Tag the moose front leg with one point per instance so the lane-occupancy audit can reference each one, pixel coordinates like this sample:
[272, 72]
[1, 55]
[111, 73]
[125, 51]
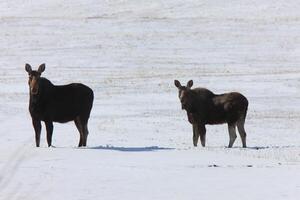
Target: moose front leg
[202, 133]
[195, 134]
[199, 130]
[37, 128]
[49, 129]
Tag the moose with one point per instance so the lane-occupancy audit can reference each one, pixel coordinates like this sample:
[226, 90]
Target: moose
[204, 107]
[50, 103]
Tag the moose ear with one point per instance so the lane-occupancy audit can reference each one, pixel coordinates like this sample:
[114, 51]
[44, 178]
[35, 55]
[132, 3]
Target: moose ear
[28, 68]
[42, 68]
[190, 84]
[177, 83]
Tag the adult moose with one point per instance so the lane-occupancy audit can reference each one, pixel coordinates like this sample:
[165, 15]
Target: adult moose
[204, 107]
[64, 103]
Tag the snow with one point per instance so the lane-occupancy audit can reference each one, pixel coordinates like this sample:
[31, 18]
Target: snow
[140, 143]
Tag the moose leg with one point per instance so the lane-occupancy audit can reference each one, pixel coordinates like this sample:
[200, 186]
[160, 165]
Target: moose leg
[49, 129]
[232, 134]
[85, 134]
[202, 133]
[37, 128]
[195, 134]
[84, 130]
[80, 129]
[241, 128]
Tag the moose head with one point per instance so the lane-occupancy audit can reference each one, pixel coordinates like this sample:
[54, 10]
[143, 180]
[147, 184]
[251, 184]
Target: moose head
[184, 94]
[34, 78]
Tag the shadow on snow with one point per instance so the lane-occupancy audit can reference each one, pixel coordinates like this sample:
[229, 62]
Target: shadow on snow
[132, 149]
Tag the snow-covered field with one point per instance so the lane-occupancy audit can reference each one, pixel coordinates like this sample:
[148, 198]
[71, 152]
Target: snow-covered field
[140, 143]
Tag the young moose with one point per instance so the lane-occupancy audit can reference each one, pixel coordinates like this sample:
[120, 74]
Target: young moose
[204, 107]
[50, 103]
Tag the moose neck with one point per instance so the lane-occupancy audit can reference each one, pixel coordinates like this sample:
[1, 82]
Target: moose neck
[191, 108]
[200, 102]
[45, 87]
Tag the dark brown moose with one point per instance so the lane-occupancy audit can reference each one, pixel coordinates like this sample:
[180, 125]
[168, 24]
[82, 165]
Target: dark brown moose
[204, 107]
[64, 103]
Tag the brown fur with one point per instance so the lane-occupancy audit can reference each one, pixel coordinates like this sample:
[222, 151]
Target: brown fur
[204, 107]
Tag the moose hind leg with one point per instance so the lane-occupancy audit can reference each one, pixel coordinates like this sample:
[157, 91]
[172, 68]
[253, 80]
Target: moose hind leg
[80, 129]
[232, 134]
[85, 131]
[242, 132]
[85, 134]
[49, 130]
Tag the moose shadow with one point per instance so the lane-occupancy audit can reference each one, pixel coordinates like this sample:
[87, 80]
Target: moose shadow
[132, 149]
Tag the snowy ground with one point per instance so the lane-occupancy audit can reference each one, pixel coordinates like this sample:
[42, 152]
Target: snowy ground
[140, 143]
